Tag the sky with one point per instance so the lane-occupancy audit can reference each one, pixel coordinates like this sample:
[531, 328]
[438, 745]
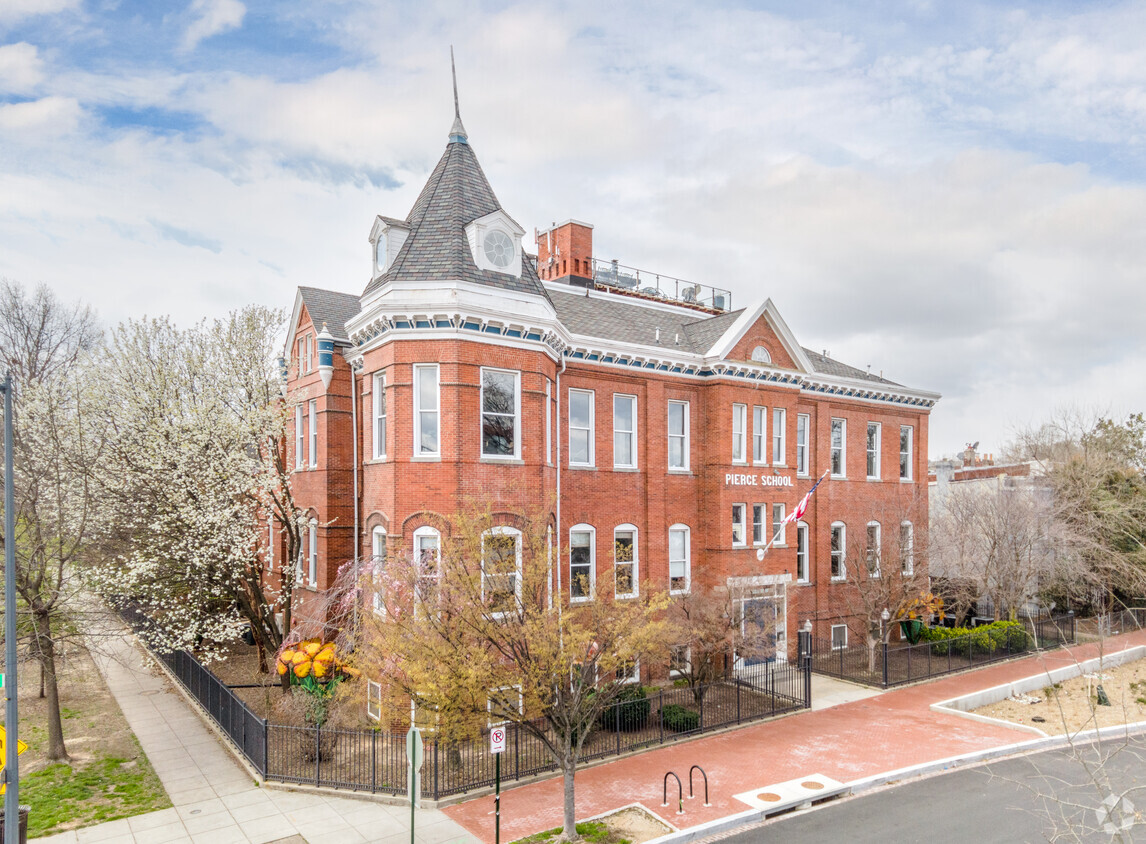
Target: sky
[951, 193]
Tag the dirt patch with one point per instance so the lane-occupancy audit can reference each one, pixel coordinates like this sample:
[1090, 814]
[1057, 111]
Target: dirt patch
[636, 824]
[1072, 705]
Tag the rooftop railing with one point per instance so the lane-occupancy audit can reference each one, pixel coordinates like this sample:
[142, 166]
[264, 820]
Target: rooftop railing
[645, 284]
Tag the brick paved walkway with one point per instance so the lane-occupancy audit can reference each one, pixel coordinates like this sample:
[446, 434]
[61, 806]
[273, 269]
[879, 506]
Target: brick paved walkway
[851, 741]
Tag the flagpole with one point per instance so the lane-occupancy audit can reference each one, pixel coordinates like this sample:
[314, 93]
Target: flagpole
[795, 514]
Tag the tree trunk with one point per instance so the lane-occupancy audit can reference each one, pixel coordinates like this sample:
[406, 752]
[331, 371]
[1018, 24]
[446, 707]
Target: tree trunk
[47, 649]
[41, 681]
[569, 825]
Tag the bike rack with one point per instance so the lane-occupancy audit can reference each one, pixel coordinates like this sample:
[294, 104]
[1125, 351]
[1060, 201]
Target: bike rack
[703, 774]
[679, 792]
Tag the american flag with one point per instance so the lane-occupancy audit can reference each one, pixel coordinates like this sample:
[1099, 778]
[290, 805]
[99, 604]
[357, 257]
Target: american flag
[799, 510]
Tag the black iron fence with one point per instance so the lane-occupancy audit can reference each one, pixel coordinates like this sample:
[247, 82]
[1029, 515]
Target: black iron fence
[886, 665]
[374, 760]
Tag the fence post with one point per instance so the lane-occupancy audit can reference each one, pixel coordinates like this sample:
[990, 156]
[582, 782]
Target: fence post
[617, 719]
[266, 750]
[435, 769]
[737, 704]
[373, 761]
[804, 645]
[1071, 614]
[661, 707]
[317, 754]
[517, 750]
[883, 647]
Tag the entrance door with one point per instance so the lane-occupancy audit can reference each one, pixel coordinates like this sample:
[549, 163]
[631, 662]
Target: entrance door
[763, 628]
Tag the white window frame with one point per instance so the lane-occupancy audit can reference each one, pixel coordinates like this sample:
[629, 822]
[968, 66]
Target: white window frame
[759, 434]
[378, 553]
[310, 352]
[299, 438]
[842, 448]
[435, 412]
[270, 541]
[592, 531]
[312, 553]
[686, 662]
[373, 700]
[759, 512]
[489, 704]
[426, 532]
[626, 528]
[633, 676]
[909, 454]
[873, 553]
[779, 436]
[588, 432]
[501, 530]
[803, 558]
[378, 431]
[516, 455]
[842, 551]
[907, 548]
[302, 355]
[843, 645]
[803, 425]
[548, 422]
[631, 434]
[683, 437]
[687, 561]
[312, 412]
[874, 450]
[739, 433]
[742, 524]
[779, 528]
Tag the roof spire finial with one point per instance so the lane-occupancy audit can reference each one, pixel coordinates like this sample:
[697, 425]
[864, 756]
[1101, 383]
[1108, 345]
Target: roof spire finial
[457, 131]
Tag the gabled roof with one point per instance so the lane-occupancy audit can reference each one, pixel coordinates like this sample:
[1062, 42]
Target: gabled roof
[326, 306]
[456, 194]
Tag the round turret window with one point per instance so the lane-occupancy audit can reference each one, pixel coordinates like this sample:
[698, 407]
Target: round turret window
[498, 249]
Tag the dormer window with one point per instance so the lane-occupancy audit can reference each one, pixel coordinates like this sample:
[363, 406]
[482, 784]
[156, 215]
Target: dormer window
[498, 248]
[387, 237]
[380, 253]
[495, 243]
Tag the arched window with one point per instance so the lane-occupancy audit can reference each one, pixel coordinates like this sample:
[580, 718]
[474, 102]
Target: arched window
[680, 557]
[427, 555]
[582, 562]
[839, 554]
[501, 569]
[378, 546]
[872, 549]
[761, 355]
[625, 564]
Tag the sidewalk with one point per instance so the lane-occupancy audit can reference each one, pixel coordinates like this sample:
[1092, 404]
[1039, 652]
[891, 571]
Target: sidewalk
[215, 799]
[848, 742]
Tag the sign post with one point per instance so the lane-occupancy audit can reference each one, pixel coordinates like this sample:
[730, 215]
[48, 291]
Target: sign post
[497, 747]
[414, 753]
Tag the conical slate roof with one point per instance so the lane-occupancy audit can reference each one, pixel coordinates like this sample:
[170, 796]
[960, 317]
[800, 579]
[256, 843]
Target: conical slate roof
[456, 194]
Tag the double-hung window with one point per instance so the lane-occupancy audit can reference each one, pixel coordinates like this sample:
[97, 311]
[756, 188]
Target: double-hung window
[581, 562]
[907, 548]
[312, 412]
[678, 435]
[803, 421]
[625, 561]
[270, 541]
[839, 447]
[738, 524]
[427, 558]
[759, 434]
[758, 537]
[906, 435]
[839, 562]
[873, 442]
[312, 553]
[378, 543]
[500, 413]
[739, 423]
[309, 352]
[779, 429]
[802, 572]
[501, 569]
[581, 427]
[301, 355]
[379, 427]
[548, 423]
[839, 637]
[679, 572]
[299, 438]
[426, 415]
[779, 529]
[624, 432]
[873, 549]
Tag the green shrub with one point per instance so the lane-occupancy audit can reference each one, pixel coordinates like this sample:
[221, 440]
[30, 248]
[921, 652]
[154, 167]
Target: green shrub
[979, 641]
[631, 706]
[679, 719]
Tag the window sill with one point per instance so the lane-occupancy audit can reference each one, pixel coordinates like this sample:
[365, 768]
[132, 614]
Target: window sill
[874, 478]
[839, 579]
[580, 600]
[839, 477]
[739, 545]
[629, 469]
[803, 583]
[426, 458]
[506, 461]
[779, 544]
[685, 472]
[906, 480]
[583, 467]
[627, 597]
[678, 592]
[783, 465]
[374, 460]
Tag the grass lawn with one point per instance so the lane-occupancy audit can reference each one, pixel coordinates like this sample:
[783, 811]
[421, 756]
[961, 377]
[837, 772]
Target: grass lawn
[108, 776]
[595, 832]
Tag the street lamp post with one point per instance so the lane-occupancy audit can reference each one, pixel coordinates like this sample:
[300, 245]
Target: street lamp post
[11, 687]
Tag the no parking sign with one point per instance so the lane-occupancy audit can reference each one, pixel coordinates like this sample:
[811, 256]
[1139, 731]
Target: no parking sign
[497, 740]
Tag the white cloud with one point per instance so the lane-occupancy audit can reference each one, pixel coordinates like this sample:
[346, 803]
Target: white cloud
[47, 116]
[21, 69]
[14, 10]
[212, 17]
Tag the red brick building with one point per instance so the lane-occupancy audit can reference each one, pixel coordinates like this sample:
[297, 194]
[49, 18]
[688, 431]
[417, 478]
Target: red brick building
[650, 411]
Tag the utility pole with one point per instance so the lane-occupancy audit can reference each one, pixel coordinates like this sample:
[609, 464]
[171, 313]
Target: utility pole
[11, 686]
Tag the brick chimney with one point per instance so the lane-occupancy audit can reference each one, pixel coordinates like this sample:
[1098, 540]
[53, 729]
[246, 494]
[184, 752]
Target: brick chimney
[565, 251]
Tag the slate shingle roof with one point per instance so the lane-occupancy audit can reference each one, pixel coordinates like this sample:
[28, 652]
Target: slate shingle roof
[335, 309]
[456, 194]
[828, 366]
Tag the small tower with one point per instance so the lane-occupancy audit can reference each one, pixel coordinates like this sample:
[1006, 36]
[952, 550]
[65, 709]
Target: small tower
[325, 356]
[566, 250]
